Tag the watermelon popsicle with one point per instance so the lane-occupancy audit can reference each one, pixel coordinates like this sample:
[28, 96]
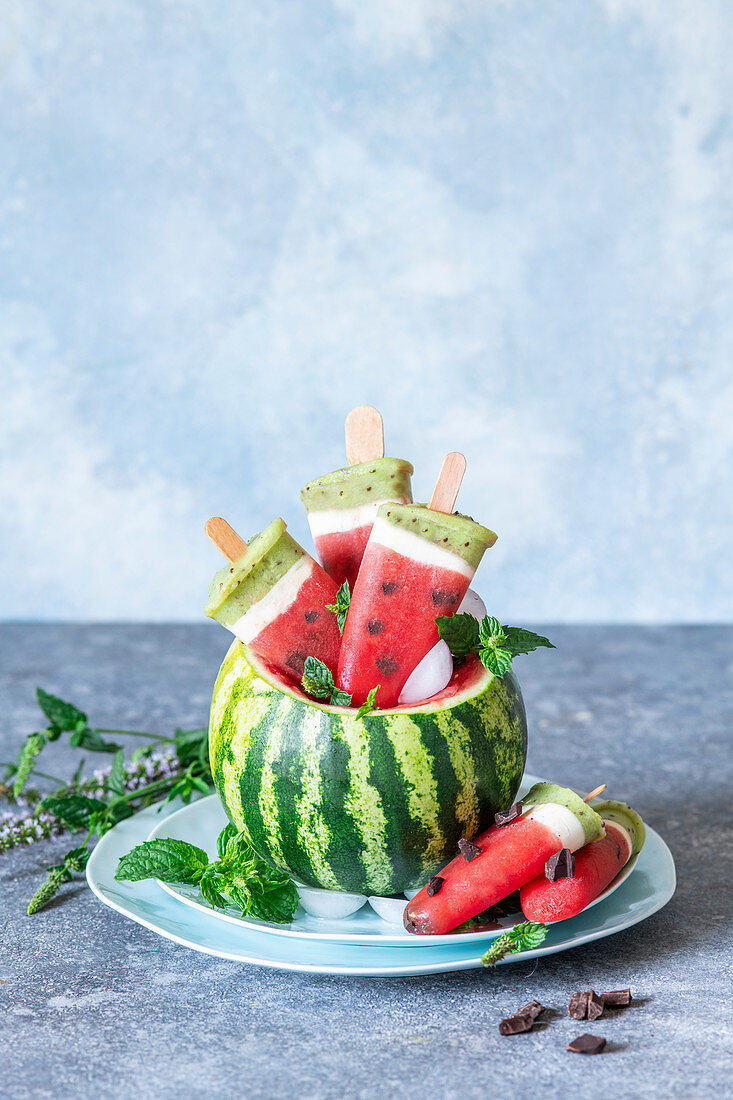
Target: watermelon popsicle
[596, 866]
[418, 564]
[552, 817]
[273, 597]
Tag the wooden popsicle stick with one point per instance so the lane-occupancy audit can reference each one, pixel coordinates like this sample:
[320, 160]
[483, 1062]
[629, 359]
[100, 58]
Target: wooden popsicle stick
[364, 435]
[598, 790]
[448, 483]
[225, 538]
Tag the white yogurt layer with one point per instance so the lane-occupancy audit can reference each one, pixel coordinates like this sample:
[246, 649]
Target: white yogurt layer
[416, 548]
[280, 597]
[563, 823]
[332, 521]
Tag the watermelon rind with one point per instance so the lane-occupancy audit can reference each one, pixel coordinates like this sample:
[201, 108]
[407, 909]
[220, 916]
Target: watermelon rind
[371, 805]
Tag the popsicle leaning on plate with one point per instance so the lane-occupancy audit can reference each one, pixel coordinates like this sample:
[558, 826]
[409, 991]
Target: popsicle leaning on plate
[503, 858]
[342, 505]
[596, 866]
[272, 595]
[417, 565]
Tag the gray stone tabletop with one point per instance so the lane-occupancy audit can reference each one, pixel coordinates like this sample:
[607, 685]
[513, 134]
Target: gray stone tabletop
[93, 1005]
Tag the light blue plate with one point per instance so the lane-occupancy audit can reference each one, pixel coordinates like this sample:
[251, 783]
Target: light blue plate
[647, 889]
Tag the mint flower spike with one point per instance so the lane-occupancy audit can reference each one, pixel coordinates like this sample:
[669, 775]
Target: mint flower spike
[522, 937]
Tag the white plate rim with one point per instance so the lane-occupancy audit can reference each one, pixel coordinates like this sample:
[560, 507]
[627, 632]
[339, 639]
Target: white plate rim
[132, 907]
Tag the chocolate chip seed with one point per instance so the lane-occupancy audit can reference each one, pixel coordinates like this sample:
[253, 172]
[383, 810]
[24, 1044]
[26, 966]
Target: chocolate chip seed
[560, 865]
[505, 817]
[312, 616]
[434, 885]
[375, 626]
[468, 849]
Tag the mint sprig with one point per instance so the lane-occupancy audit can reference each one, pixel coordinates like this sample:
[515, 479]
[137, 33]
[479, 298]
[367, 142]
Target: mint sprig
[496, 645]
[341, 607]
[318, 681]
[522, 937]
[238, 877]
[369, 704]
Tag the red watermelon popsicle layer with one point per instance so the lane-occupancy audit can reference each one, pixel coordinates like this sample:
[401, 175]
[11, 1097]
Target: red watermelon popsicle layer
[510, 855]
[342, 507]
[274, 598]
[596, 866]
[417, 565]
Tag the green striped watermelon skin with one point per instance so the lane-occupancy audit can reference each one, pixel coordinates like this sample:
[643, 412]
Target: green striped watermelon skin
[373, 805]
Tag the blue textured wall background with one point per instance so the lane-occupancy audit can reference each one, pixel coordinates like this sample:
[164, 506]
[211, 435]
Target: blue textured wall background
[508, 225]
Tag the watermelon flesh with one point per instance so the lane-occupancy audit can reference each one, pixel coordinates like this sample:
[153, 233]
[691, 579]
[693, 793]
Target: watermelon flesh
[510, 856]
[302, 628]
[391, 621]
[341, 552]
[596, 866]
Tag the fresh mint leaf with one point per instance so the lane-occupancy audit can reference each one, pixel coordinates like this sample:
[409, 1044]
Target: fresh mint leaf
[369, 704]
[460, 632]
[64, 717]
[341, 607]
[497, 661]
[75, 810]
[190, 745]
[524, 641]
[88, 738]
[165, 858]
[211, 886]
[492, 650]
[522, 937]
[318, 681]
[116, 777]
[229, 832]
[277, 905]
[340, 698]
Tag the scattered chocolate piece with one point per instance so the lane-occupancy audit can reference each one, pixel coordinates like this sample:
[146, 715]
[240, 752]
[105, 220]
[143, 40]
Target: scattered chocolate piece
[595, 1005]
[521, 1020]
[560, 865]
[468, 849]
[516, 1024]
[578, 1007]
[532, 1008]
[434, 885]
[504, 817]
[587, 1044]
[617, 997]
[585, 1005]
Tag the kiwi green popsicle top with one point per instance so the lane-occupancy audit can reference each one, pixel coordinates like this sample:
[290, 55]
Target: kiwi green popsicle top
[457, 533]
[590, 820]
[241, 583]
[624, 815]
[381, 479]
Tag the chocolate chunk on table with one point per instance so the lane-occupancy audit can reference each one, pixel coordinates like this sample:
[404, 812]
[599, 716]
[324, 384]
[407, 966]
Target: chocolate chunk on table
[578, 1007]
[617, 998]
[521, 1020]
[586, 1044]
[585, 1005]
